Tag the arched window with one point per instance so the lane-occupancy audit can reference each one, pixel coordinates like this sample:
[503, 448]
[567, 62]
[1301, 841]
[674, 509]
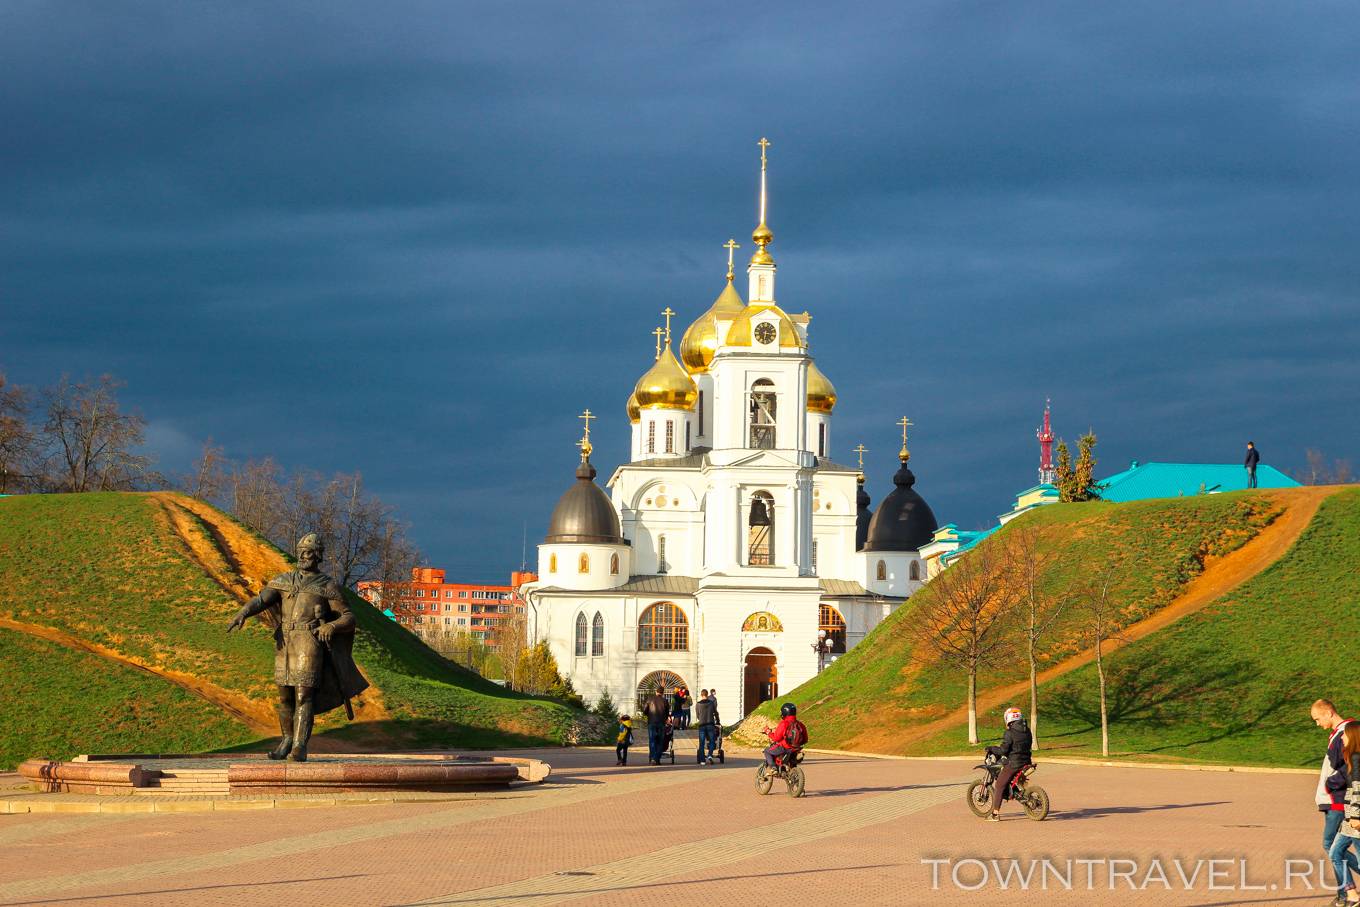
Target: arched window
[552, 563]
[661, 565]
[663, 628]
[916, 570]
[882, 574]
[583, 563]
[613, 565]
[597, 635]
[763, 411]
[580, 635]
[830, 620]
[658, 682]
[760, 530]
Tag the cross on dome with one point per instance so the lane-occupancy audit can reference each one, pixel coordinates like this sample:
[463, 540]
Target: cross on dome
[904, 455]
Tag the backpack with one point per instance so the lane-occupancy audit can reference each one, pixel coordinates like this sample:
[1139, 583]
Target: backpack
[796, 736]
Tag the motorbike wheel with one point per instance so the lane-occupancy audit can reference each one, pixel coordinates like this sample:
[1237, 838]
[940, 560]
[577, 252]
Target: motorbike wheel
[796, 781]
[1036, 803]
[764, 779]
[980, 798]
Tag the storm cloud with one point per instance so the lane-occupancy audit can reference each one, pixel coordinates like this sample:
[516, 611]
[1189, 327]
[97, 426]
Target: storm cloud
[416, 239]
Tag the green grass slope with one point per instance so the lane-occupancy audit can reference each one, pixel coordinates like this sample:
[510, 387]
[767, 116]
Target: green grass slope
[109, 570]
[1232, 682]
[874, 696]
[61, 701]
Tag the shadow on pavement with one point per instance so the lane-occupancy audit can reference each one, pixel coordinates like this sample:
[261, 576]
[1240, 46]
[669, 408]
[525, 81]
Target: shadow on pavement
[471, 896]
[140, 894]
[845, 792]
[1097, 812]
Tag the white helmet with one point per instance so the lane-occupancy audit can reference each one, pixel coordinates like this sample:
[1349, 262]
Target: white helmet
[1013, 714]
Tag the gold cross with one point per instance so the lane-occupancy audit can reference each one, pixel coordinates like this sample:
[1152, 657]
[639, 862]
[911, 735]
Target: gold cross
[587, 416]
[860, 450]
[731, 246]
[667, 313]
[906, 423]
[763, 143]
[657, 334]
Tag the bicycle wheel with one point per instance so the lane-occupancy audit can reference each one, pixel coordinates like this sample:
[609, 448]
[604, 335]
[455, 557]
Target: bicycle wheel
[796, 781]
[980, 798]
[764, 779]
[1035, 800]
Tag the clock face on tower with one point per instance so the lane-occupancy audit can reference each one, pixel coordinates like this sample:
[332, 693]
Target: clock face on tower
[765, 332]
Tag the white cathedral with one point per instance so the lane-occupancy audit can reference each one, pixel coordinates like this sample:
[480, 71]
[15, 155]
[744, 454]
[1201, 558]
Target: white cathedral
[731, 538]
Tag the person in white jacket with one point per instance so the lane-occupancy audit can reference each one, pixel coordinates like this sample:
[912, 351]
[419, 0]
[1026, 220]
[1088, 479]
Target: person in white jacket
[1333, 779]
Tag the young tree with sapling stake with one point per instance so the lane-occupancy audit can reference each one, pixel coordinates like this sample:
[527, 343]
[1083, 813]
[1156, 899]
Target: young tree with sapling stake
[966, 611]
[1031, 561]
[1101, 627]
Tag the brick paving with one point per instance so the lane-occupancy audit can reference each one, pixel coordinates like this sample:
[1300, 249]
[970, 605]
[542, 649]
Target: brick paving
[599, 834]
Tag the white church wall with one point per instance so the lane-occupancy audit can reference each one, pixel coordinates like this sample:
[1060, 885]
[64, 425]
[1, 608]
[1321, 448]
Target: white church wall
[561, 565]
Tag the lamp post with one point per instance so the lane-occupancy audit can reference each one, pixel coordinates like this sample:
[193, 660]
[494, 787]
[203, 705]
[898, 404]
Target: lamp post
[821, 647]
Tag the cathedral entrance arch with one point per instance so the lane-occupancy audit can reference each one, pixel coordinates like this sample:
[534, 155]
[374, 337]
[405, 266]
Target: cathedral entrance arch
[761, 678]
[666, 681]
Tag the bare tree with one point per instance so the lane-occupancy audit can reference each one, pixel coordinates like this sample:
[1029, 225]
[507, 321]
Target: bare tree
[17, 440]
[1320, 472]
[1031, 564]
[361, 521]
[205, 482]
[965, 614]
[257, 496]
[1101, 626]
[93, 443]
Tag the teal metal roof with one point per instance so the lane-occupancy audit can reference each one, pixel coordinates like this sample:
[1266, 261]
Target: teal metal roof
[1169, 480]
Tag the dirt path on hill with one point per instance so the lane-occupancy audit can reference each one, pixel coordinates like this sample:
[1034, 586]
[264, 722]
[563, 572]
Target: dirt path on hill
[1220, 576]
[250, 713]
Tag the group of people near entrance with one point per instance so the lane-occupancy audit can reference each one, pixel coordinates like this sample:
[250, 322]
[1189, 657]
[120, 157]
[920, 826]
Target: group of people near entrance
[666, 713]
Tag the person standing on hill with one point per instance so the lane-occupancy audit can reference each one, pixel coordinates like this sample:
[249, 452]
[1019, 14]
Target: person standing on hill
[1253, 457]
[1332, 782]
[657, 711]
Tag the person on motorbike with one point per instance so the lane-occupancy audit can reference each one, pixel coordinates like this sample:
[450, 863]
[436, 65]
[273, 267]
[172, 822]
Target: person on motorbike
[779, 736]
[1016, 749]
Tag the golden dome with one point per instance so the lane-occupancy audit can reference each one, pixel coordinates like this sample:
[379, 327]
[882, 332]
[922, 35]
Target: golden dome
[739, 334]
[701, 338]
[821, 393]
[634, 413]
[666, 385]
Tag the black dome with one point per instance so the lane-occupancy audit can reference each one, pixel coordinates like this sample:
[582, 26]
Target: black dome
[904, 521]
[862, 515]
[584, 514]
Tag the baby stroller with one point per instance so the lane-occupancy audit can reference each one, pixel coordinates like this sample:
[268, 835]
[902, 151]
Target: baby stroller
[668, 740]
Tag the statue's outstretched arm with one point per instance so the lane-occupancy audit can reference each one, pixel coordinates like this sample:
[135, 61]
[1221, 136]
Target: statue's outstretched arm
[267, 598]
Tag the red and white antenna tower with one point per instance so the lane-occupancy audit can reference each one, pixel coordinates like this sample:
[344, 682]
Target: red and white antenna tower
[1045, 436]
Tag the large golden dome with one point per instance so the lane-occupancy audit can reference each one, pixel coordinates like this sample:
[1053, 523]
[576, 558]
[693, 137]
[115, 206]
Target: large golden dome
[821, 393]
[666, 385]
[701, 338]
[739, 334]
[634, 413]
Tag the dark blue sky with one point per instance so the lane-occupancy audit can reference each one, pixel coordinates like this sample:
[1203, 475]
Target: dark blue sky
[416, 239]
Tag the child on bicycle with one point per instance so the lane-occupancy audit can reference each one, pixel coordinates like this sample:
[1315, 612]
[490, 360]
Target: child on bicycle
[1016, 749]
[788, 737]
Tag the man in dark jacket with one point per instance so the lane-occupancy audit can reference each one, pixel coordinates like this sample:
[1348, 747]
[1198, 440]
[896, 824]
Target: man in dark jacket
[706, 718]
[1253, 457]
[1015, 749]
[657, 710]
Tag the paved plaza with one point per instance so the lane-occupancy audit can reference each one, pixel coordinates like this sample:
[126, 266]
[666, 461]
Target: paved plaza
[866, 833]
